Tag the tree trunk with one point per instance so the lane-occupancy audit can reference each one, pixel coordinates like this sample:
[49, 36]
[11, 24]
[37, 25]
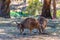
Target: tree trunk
[1, 2]
[5, 9]
[54, 9]
[46, 9]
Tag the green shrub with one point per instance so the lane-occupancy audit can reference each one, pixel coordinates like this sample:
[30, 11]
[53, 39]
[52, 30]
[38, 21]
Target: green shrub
[14, 14]
[58, 14]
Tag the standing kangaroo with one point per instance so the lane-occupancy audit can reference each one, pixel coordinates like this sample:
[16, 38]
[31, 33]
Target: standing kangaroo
[43, 22]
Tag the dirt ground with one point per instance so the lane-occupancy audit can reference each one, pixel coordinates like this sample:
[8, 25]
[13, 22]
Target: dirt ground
[9, 31]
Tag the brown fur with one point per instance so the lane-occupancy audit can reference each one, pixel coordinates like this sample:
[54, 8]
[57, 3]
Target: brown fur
[29, 23]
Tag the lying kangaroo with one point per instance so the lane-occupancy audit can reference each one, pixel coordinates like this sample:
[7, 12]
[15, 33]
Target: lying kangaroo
[29, 23]
[43, 22]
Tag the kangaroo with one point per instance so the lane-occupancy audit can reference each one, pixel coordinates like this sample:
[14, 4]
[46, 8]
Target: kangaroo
[43, 23]
[29, 23]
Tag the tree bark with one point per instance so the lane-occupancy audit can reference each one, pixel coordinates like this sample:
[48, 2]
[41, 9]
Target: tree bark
[46, 9]
[54, 9]
[5, 9]
[1, 2]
